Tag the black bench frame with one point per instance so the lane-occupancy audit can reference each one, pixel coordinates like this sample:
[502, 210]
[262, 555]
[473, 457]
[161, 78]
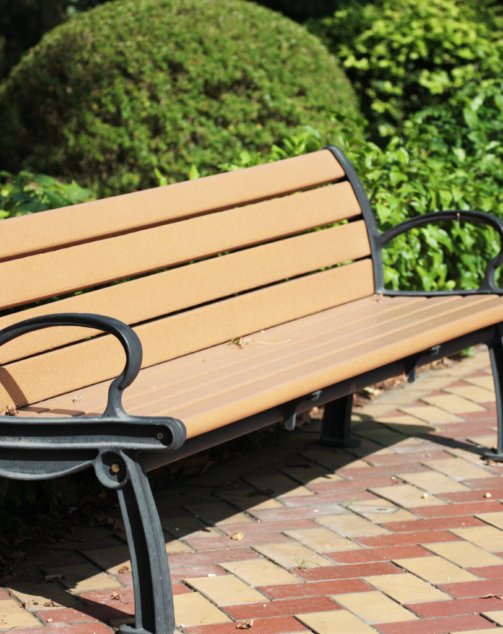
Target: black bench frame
[123, 448]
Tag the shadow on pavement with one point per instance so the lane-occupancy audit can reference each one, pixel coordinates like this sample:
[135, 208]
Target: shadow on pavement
[228, 486]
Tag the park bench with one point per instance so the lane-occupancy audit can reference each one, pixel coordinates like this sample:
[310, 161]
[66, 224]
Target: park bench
[255, 295]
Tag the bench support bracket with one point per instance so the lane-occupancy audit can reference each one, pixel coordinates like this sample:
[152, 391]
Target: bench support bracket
[496, 356]
[336, 424]
[154, 613]
[290, 409]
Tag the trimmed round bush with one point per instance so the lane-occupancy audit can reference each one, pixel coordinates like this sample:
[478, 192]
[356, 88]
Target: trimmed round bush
[137, 88]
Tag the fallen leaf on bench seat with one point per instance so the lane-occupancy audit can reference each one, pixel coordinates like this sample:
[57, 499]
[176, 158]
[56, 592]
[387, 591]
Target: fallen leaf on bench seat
[240, 342]
[237, 537]
[10, 411]
[244, 625]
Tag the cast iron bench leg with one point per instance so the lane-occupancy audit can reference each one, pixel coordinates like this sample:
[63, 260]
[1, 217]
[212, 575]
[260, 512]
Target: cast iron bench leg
[336, 424]
[154, 613]
[496, 355]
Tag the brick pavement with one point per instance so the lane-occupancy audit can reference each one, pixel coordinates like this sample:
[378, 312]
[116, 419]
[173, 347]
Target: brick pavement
[403, 535]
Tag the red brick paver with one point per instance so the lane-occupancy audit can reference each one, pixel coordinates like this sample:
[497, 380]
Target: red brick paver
[282, 535]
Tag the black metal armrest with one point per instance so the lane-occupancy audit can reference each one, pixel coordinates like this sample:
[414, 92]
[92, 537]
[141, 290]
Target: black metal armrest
[113, 443]
[480, 217]
[114, 428]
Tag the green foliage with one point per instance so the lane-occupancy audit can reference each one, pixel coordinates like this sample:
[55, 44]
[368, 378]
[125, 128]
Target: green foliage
[430, 76]
[404, 55]
[410, 178]
[133, 87]
[26, 193]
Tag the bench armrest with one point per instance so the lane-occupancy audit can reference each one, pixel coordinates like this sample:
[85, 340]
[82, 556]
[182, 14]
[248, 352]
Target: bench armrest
[481, 217]
[112, 428]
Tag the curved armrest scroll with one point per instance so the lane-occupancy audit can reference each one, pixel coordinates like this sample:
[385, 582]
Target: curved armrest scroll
[114, 427]
[124, 333]
[481, 217]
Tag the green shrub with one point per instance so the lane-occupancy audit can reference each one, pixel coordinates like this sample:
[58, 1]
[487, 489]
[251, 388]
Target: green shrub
[137, 86]
[412, 177]
[405, 55]
[26, 193]
[430, 77]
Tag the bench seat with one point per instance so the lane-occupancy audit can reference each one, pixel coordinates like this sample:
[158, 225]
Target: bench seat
[231, 381]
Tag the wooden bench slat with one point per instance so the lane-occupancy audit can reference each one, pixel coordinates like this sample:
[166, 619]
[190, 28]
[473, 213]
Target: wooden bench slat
[119, 214]
[27, 381]
[262, 350]
[291, 375]
[181, 375]
[265, 344]
[196, 284]
[86, 265]
[310, 346]
[288, 381]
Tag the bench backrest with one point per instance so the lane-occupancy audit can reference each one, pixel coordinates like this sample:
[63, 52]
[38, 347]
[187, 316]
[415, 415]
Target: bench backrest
[201, 262]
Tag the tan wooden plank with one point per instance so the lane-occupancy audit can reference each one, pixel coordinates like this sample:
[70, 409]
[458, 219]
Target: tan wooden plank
[86, 265]
[312, 346]
[309, 343]
[277, 340]
[30, 380]
[170, 291]
[269, 390]
[289, 378]
[119, 214]
[182, 396]
[175, 387]
[187, 375]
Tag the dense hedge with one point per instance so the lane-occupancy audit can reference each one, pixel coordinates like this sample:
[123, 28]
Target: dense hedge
[430, 77]
[142, 85]
[404, 55]
[413, 176]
